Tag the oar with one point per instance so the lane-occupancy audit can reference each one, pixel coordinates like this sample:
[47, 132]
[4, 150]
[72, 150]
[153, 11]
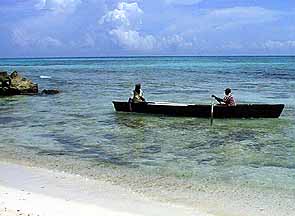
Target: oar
[212, 112]
[130, 104]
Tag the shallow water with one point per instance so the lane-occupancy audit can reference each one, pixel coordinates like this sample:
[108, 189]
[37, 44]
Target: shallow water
[81, 123]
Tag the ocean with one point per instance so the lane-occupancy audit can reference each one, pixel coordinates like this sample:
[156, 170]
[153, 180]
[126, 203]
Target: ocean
[169, 158]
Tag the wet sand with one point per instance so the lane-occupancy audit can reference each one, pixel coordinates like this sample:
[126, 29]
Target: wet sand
[35, 191]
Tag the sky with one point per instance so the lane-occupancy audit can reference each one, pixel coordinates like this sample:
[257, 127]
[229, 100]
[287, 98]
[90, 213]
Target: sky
[48, 28]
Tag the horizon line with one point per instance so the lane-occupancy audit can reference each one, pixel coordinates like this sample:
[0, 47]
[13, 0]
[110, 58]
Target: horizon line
[143, 56]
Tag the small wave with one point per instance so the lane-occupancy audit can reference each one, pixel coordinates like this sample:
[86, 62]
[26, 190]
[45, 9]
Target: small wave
[45, 77]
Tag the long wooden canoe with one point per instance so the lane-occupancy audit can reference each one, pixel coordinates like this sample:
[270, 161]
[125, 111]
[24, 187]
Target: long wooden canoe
[202, 111]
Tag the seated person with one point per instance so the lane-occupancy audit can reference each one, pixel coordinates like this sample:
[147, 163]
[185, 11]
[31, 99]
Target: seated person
[228, 98]
[138, 94]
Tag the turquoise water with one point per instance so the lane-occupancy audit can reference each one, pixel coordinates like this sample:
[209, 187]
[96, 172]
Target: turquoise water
[80, 123]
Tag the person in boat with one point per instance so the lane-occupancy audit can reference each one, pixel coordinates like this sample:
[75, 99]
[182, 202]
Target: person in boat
[138, 94]
[228, 98]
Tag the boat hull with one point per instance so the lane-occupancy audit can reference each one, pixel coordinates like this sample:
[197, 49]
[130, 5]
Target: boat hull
[202, 111]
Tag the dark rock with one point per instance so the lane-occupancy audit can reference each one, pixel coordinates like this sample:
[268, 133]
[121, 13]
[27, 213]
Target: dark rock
[3, 73]
[5, 80]
[15, 84]
[50, 91]
[5, 83]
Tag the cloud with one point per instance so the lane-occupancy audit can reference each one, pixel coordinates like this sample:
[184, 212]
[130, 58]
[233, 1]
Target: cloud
[175, 42]
[275, 44]
[225, 19]
[242, 15]
[26, 39]
[133, 40]
[124, 23]
[59, 6]
[127, 28]
[70, 27]
[224, 28]
[126, 15]
[58, 32]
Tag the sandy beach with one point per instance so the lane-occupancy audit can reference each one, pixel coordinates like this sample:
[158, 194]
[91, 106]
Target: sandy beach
[35, 191]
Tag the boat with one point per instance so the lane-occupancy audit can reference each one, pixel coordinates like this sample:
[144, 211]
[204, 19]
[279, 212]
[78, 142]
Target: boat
[202, 110]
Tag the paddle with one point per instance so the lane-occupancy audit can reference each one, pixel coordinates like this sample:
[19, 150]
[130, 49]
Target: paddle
[130, 104]
[212, 112]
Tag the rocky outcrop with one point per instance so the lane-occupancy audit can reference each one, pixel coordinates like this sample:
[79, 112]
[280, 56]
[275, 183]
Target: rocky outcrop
[15, 84]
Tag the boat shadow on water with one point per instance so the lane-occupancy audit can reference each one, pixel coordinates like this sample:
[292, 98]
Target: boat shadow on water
[142, 120]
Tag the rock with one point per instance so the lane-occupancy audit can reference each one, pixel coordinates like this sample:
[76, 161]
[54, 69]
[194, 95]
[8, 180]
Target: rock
[5, 79]
[3, 73]
[15, 84]
[50, 91]
[23, 85]
[5, 82]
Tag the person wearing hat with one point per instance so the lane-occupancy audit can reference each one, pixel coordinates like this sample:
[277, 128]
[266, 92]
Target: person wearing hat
[228, 98]
[138, 94]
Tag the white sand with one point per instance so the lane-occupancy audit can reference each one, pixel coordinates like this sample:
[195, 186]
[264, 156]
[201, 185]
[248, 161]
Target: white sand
[34, 191]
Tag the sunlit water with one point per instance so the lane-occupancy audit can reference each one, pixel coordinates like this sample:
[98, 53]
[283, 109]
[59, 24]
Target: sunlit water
[80, 123]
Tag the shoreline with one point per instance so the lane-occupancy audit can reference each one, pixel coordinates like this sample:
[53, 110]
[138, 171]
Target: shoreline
[29, 191]
[133, 193]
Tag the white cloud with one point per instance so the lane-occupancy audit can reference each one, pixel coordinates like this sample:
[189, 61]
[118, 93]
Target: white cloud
[132, 40]
[26, 39]
[21, 38]
[87, 41]
[225, 22]
[66, 26]
[225, 19]
[124, 27]
[58, 6]
[48, 42]
[125, 15]
[175, 42]
[275, 44]
[243, 15]
[124, 23]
